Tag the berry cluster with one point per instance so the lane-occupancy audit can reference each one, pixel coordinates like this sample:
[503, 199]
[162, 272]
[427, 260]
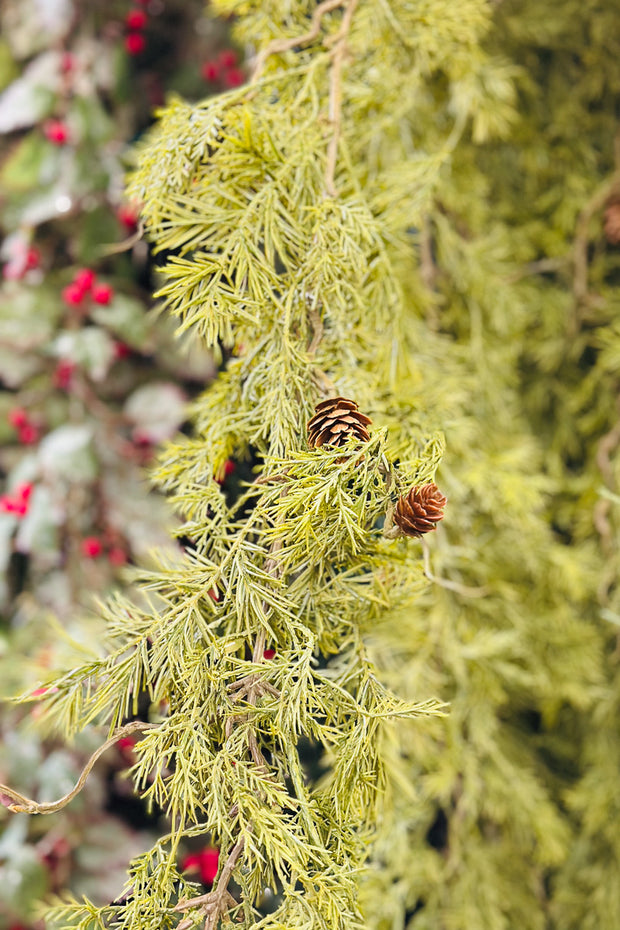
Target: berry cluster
[18, 502]
[28, 432]
[135, 40]
[85, 286]
[92, 547]
[223, 70]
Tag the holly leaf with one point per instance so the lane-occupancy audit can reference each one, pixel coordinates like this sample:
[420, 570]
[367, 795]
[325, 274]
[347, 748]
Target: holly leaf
[125, 317]
[37, 530]
[91, 348]
[31, 97]
[156, 411]
[67, 453]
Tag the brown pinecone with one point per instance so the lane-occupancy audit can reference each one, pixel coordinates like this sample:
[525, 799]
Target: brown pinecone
[612, 222]
[336, 420]
[420, 510]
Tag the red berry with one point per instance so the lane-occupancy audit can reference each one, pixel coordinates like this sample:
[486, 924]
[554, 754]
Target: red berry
[24, 491]
[127, 744]
[84, 279]
[18, 417]
[208, 865]
[56, 131]
[269, 653]
[135, 43]
[17, 503]
[7, 504]
[224, 471]
[91, 547]
[227, 58]
[127, 215]
[121, 350]
[205, 863]
[214, 594]
[234, 77]
[210, 71]
[73, 295]
[63, 374]
[117, 556]
[136, 19]
[28, 434]
[67, 63]
[33, 258]
[102, 294]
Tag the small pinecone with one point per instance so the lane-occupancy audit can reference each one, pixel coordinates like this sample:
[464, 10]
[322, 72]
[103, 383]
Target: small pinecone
[336, 420]
[612, 222]
[420, 510]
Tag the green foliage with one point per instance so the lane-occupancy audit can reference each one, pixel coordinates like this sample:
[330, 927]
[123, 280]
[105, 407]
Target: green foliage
[305, 292]
[414, 222]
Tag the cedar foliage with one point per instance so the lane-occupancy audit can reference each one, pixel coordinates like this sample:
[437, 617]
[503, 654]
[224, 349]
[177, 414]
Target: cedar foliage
[449, 269]
[290, 259]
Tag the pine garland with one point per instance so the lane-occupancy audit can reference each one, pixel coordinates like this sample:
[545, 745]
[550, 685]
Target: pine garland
[287, 233]
[407, 207]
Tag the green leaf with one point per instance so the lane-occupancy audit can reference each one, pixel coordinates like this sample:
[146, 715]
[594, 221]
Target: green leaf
[67, 453]
[126, 318]
[31, 97]
[91, 348]
[156, 411]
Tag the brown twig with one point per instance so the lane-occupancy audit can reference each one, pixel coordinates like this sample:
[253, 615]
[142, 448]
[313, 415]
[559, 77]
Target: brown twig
[461, 589]
[285, 45]
[214, 904]
[540, 266]
[317, 330]
[339, 42]
[117, 247]
[28, 806]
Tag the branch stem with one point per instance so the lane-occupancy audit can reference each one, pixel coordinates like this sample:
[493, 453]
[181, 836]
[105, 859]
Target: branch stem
[335, 96]
[278, 46]
[28, 806]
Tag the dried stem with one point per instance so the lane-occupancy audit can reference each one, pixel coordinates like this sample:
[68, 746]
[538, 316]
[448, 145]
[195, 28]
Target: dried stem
[541, 266]
[285, 45]
[28, 806]
[461, 589]
[335, 96]
[214, 904]
[117, 247]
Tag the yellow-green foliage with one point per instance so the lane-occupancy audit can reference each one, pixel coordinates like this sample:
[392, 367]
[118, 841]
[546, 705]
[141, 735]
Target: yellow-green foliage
[434, 272]
[288, 213]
